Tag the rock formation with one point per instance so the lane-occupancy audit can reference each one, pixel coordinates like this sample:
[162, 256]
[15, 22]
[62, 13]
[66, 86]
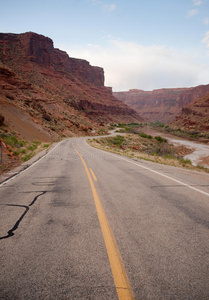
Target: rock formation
[64, 95]
[161, 105]
[194, 117]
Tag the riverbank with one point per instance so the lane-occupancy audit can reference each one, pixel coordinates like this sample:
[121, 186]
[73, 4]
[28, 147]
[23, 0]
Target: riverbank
[200, 151]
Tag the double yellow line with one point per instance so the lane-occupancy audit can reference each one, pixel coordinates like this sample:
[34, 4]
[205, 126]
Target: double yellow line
[121, 280]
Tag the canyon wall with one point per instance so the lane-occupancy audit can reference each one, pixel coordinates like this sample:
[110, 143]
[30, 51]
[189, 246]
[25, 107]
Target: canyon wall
[194, 117]
[161, 105]
[65, 95]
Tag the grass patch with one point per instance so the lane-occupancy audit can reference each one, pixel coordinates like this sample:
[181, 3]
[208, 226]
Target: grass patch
[116, 141]
[18, 150]
[45, 145]
[27, 156]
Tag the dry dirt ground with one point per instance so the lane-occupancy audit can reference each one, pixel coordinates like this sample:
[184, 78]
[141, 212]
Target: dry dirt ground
[22, 123]
[23, 126]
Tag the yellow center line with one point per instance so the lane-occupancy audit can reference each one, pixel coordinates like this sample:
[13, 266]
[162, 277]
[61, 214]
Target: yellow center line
[121, 280]
[93, 175]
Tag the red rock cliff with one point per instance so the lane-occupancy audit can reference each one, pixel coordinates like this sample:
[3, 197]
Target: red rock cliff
[63, 93]
[195, 116]
[161, 105]
[39, 49]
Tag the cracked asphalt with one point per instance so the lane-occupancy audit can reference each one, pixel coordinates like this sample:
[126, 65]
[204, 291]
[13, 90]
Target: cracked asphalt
[52, 245]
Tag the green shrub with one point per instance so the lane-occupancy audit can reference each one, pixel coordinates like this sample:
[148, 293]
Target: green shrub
[32, 147]
[133, 124]
[22, 143]
[160, 139]
[16, 153]
[10, 140]
[117, 140]
[169, 156]
[146, 136]
[27, 156]
[185, 161]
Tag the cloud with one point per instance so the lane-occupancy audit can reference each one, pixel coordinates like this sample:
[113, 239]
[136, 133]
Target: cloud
[129, 65]
[206, 21]
[206, 39]
[191, 13]
[197, 2]
[106, 7]
[109, 7]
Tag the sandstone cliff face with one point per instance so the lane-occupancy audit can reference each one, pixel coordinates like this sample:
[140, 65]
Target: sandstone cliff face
[63, 94]
[161, 105]
[194, 117]
[157, 105]
[79, 68]
[39, 49]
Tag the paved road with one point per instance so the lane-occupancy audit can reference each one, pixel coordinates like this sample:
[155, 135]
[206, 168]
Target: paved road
[155, 242]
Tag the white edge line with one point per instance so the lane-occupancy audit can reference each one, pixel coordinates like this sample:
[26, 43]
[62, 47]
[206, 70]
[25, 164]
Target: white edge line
[26, 169]
[151, 170]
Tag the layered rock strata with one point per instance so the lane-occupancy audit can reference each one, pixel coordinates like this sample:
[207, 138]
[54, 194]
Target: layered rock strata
[65, 95]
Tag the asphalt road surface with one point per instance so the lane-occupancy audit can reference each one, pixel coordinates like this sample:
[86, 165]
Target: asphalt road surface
[86, 224]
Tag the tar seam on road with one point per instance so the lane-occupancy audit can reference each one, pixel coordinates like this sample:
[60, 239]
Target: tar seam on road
[122, 283]
[27, 207]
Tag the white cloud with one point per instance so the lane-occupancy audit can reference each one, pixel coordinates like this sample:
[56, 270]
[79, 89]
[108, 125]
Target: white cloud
[129, 65]
[197, 2]
[206, 39]
[106, 7]
[206, 21]
[192, 13]
[109, 7]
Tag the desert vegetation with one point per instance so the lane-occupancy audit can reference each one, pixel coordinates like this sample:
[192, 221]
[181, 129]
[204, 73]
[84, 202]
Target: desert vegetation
[194, 135]
[15, 150]
[134, 143]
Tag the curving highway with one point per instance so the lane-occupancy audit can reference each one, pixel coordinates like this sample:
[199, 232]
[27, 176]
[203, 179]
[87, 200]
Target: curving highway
[86, 224]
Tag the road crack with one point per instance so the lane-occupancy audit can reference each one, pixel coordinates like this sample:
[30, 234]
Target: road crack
[10, 233]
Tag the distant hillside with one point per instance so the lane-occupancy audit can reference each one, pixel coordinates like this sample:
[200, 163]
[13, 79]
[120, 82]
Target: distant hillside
[161, 105]
[55, 94]
[194, 117]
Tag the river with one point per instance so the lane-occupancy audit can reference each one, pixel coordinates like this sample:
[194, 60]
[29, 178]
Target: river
[200, 154]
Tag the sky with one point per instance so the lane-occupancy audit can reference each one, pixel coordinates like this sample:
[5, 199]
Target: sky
[140, 44]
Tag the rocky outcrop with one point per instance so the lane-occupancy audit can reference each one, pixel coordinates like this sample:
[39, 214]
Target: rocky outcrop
[39, 49]
[78, 67]
[194, 117]
[157, 105]
[161, 105]
[1, 120]
[64, 95]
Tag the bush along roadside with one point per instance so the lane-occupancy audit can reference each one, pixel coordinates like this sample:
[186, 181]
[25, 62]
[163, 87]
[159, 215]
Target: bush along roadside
[143, 146]
[15, 150]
